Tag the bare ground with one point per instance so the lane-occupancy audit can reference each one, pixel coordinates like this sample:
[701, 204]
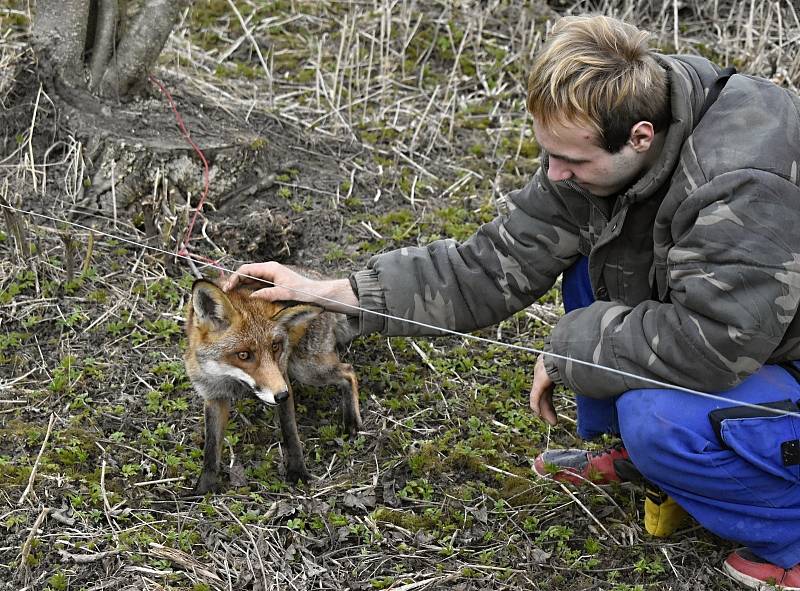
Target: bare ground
[361, 127]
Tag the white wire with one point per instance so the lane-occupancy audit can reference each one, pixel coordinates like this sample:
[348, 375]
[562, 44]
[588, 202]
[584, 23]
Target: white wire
[480, 339]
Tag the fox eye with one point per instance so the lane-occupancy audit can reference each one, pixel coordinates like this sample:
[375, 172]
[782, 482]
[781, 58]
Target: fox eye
[276, 347]
[244, 355]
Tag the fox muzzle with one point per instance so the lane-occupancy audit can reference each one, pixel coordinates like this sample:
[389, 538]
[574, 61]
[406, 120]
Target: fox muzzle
[267, 396]
[282, 396]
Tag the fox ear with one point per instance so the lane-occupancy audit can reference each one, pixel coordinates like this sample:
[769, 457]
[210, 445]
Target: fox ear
[211, 306]
[297, 316]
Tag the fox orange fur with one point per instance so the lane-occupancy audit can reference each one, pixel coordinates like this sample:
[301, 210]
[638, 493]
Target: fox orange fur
[239, 346]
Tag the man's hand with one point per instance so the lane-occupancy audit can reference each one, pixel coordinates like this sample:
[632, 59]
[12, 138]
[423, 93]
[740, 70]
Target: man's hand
[281, 283]
[542, 393]
[273, 274]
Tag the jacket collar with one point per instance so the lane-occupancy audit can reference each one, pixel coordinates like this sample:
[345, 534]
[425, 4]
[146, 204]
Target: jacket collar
[683, 103]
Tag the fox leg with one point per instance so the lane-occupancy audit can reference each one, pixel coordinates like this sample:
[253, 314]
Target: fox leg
[217, 412]
[295, 463]
[351, 411]
[325, 369]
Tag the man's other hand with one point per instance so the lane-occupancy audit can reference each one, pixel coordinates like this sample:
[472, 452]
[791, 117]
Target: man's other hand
[542, 393]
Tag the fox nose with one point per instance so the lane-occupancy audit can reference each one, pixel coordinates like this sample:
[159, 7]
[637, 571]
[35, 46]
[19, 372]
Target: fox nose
[282, 396]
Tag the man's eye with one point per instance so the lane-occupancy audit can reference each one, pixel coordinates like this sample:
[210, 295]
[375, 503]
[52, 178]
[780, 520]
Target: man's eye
[244, 355]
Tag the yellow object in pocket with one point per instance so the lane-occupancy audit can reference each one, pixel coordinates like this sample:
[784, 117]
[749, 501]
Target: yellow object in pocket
[662, 515]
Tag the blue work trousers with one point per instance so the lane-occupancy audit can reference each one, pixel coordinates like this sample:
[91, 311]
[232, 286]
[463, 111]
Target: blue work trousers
[742, 483]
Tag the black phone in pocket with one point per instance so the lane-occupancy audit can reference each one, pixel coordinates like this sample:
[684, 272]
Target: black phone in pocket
[748, 412]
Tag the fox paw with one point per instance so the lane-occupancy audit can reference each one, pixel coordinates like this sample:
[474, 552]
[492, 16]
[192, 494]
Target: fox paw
[297, 474]
[352, 425]
[207, 483]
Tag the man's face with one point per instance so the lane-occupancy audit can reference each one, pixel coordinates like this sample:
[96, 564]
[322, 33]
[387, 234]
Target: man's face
[574, 154]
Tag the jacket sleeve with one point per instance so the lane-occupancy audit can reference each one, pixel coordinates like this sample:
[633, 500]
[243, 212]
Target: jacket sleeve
[734, 287]
[505, 266]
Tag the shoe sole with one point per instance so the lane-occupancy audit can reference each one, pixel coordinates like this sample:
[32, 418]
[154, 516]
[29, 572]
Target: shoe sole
[568, 476]
[753, 583]
[576, 479]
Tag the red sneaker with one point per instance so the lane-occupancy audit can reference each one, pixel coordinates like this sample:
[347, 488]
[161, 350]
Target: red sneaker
[756, 573]
[579, 466]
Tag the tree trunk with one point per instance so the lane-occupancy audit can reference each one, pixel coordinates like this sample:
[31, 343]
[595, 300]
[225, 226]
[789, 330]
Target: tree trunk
[113, 61]
[59, 35]
[104, 40]
[140, 46]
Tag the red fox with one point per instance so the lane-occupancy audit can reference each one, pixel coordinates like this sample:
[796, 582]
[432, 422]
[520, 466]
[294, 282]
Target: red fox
[239, 346]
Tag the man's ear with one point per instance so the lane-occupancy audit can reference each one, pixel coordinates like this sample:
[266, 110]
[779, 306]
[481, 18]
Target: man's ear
[298, 316]
[642, 136]
[211, 306]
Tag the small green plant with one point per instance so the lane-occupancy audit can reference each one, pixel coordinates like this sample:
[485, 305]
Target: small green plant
[592, 546]
[328, 433]
[648, 567]
[154, 399]
[417, 489]
[117, 437]
[163, 328]
[129, 470]
[15, 519]
[73, 453]
[23, 281]
[382, 582]
[12, 340]
[530, 524]
[58, 582]
[297, 524]
[65, 375]
[117, 327]
[335, 253]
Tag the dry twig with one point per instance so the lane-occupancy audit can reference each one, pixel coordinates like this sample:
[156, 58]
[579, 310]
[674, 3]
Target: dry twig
[32, 477]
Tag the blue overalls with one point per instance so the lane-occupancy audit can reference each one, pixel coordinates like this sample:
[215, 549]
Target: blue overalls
[747, 490]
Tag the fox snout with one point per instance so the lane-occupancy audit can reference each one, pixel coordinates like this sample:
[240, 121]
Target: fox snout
[272, 398]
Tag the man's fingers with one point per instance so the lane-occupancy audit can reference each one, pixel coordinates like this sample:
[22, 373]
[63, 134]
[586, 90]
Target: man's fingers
[534, 403]
[273, 294]
[542, 393]
[251, 273]
[232, 281]
[548, 411]
[541, 401]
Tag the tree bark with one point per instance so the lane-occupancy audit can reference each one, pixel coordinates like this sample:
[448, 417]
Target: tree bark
[104, 40]
[140, 46]
[59, 34]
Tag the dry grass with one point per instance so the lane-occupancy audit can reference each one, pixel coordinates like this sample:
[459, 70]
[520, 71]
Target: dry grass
[381, 124]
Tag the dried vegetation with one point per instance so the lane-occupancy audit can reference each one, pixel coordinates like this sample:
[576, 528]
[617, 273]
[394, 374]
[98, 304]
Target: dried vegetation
[370, 125]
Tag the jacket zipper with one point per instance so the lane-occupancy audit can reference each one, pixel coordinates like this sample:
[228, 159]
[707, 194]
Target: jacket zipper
[586, 195]
[600, 292]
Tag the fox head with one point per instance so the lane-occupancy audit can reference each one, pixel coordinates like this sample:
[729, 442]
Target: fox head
[241, 343]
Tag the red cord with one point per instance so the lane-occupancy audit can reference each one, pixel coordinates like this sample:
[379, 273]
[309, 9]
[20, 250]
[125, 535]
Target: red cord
[183, 248]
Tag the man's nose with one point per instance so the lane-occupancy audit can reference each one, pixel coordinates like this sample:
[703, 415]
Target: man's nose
[556, 171]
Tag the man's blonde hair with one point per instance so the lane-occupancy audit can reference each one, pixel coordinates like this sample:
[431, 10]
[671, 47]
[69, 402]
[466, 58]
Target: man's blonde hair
[598, 71]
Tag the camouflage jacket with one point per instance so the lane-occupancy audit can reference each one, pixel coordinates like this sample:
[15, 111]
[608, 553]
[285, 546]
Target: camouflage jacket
[695, 268]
